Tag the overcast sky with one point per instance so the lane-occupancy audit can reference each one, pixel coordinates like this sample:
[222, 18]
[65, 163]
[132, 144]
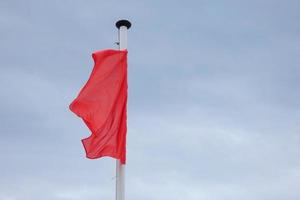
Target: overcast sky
[214, 99]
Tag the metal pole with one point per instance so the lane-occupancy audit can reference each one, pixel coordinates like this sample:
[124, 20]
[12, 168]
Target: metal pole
[123, 26]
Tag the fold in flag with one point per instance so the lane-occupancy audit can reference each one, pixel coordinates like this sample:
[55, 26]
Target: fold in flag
[102, 105]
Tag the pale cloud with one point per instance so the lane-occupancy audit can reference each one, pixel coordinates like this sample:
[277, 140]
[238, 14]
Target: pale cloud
[213, 99]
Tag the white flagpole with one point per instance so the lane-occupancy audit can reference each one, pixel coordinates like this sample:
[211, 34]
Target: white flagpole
[123, 26]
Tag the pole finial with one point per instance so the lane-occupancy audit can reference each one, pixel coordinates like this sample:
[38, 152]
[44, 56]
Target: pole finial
[123, 22]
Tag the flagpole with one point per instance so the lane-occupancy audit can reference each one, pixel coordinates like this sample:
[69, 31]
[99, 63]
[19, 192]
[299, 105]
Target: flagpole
[123, 26]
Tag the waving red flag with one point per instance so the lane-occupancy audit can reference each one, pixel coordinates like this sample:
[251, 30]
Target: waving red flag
[102, 104]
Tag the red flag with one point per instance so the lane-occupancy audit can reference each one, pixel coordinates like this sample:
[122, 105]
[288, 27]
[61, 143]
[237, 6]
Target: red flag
[102, 104]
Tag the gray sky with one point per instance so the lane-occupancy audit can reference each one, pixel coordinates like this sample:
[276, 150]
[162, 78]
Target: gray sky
[214, 100]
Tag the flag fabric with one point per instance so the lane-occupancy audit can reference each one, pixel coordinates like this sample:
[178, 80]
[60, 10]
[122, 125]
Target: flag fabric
[102, 105]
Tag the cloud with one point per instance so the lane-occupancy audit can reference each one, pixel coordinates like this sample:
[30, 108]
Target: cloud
[213, 99]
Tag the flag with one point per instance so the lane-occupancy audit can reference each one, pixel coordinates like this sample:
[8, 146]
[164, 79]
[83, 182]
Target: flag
[102, 105]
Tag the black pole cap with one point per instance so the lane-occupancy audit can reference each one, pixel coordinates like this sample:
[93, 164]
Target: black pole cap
[123, 22]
